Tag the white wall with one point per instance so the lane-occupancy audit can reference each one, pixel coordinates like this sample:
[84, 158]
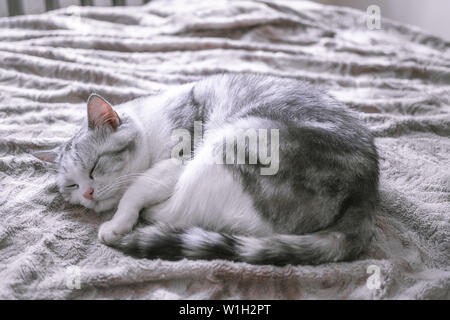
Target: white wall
[430, 15]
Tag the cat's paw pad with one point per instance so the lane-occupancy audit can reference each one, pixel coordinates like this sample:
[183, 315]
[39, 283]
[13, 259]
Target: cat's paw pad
[110, 232]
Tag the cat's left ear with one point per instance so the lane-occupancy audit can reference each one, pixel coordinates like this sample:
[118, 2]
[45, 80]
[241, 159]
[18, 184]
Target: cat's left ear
[101, 113]
[49, 156]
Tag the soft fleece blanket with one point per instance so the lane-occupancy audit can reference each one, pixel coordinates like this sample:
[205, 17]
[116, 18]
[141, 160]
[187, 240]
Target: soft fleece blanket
[398, 77]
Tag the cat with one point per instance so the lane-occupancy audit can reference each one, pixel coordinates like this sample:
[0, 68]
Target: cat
[314, 204]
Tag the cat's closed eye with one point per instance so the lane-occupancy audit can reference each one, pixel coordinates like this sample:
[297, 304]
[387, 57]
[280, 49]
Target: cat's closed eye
[109, 162]
[71, 186]
[91, 173]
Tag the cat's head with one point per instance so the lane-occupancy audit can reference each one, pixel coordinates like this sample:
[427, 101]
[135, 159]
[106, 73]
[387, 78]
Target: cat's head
[95, 165]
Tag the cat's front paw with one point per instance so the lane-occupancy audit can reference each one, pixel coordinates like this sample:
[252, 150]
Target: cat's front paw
[111, 231]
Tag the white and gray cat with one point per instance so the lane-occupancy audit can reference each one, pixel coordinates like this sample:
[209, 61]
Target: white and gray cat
[317, 207]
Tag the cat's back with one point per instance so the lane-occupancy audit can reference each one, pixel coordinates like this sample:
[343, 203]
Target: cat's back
[286, 103]
[285, 100]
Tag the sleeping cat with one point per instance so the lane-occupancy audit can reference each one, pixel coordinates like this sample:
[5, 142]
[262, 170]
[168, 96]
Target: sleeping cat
[314, 203]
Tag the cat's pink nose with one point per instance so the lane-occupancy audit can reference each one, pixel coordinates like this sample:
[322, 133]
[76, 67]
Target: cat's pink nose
[89, 194]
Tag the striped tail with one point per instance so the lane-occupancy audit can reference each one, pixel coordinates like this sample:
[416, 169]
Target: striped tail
[344, 241]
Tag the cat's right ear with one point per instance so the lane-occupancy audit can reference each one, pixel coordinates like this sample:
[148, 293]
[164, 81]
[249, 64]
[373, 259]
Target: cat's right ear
[101, 113]
[49, 156]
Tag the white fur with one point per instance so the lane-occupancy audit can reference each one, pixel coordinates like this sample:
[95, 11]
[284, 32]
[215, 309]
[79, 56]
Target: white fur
[153, 186]
[195, 239]
[210, 197]
[329, 126]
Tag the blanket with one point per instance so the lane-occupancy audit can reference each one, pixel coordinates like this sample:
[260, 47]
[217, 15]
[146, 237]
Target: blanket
[397, 77]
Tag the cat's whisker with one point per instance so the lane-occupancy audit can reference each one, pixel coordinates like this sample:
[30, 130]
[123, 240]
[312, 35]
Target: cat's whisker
[120, 182]
[112, 187]
[124, 180]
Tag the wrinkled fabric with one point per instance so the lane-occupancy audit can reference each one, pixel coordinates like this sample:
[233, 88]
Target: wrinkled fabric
[398, 78]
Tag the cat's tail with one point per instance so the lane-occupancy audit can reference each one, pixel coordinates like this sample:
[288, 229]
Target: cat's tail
[344, 241]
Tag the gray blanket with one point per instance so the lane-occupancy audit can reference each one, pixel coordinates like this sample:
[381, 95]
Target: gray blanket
[397, 77]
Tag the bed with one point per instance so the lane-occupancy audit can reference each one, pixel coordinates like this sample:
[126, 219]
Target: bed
[396, 77]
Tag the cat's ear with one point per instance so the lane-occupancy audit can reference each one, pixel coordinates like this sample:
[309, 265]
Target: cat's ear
[101, 113]
[47, 155]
